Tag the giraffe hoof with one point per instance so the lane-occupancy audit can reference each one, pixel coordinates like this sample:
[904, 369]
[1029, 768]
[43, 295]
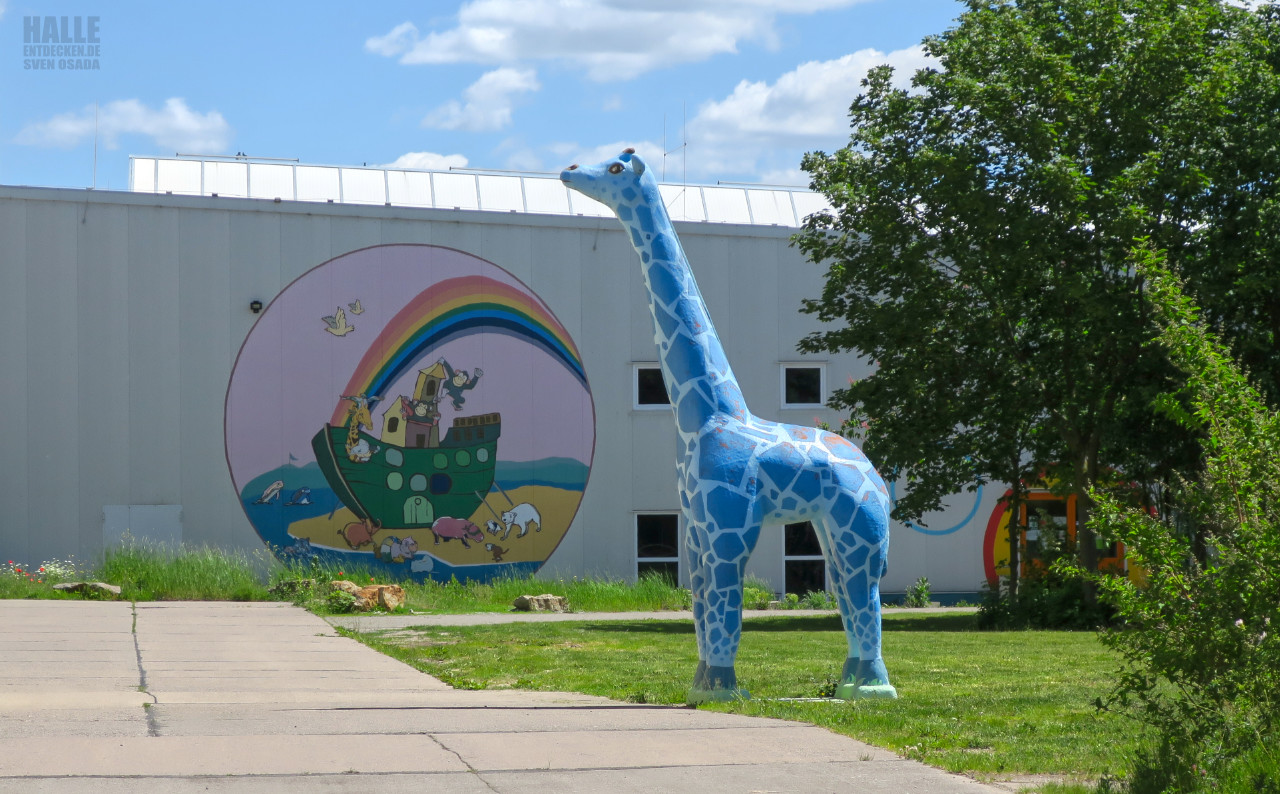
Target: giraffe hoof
[866, 692]
[697, 696]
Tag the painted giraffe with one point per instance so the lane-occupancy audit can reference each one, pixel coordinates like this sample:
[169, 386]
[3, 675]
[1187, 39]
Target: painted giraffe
[735, 470]
[358, 414]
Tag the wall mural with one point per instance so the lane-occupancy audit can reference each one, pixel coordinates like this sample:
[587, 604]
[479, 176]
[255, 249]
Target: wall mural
[414, 410]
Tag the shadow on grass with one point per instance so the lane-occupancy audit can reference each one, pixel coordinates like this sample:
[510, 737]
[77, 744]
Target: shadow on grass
[929, 622]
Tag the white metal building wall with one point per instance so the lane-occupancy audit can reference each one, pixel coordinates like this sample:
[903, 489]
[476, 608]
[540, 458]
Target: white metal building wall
[125, 312]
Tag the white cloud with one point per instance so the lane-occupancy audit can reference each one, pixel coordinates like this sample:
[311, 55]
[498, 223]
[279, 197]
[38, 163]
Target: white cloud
[400, 39]
[489, 102]
[427, 161]
[174, 126]
[610, 40]
[805, 108]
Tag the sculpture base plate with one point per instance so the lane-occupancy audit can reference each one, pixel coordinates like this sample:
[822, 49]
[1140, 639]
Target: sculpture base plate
[866, 692]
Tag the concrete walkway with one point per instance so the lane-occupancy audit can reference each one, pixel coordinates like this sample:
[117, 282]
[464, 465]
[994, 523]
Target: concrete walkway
[178, 697]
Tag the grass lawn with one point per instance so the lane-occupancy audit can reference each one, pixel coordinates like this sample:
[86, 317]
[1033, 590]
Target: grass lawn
[970, 701]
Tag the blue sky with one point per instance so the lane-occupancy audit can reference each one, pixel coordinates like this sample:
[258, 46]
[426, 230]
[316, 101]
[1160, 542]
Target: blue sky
[528, 85]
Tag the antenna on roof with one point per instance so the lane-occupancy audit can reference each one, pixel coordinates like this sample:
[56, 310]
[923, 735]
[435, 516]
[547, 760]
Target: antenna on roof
[684, 177]
[664, 147]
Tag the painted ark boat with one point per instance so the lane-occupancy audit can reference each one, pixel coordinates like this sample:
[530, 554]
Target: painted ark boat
[409, 487]
[410, 476]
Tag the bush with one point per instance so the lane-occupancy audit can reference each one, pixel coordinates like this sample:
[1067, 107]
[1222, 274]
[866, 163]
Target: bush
[756, 593]
[918, 594]
[817, 599]
[1201, 658]
[1051, 598]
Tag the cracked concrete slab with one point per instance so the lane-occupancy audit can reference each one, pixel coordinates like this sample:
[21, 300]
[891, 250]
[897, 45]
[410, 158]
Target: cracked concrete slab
[267, 697]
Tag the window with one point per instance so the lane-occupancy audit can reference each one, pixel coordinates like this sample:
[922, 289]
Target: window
[648, 390]
[804, 569]
[658, 544]
[803, 385]
[1046, 530]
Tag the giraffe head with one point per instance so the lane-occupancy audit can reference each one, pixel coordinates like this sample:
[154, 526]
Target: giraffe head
[615, 182]
[358, 414]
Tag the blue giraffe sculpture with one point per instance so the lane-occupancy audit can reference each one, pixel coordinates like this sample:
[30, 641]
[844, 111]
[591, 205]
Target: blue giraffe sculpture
[736, 471]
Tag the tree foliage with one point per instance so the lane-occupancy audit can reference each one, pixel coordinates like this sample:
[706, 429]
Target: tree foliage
[977, 250]
[1201, 647]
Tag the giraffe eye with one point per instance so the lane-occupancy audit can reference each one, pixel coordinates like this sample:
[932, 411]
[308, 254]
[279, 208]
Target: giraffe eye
[616, 168]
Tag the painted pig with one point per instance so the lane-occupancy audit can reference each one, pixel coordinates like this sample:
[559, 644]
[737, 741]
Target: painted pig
[460, 528]
[359, 533]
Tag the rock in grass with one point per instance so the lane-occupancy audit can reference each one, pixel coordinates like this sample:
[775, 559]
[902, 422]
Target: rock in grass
[374, 596]
[541, 603]
[89, 588]
[386, 596]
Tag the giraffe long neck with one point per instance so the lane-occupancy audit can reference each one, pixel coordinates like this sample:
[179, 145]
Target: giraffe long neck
[353, 426]
[694, 367]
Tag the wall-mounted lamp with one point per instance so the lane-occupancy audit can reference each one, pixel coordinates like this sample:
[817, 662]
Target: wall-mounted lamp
[255, 306]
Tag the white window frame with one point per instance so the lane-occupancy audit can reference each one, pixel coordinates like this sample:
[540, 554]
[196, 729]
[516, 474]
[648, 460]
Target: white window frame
[635, 536]
[821, 366]
[636, 405]
[826, 569]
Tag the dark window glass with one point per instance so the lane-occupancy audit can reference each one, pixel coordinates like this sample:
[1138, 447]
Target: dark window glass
[1046, 526]
[656, 535]
[801, 540]
[805, 576]
[670, 570]
[649, 387]
[393, 424]
[803, 386]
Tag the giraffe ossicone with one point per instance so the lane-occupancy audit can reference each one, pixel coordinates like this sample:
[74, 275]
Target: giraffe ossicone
[736, 471]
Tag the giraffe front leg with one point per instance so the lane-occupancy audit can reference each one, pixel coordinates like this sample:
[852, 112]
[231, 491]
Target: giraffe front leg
[716, 584]
[856, 567]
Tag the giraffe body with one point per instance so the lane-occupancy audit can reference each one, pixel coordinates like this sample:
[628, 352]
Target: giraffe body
[737, 471]
[357, 416]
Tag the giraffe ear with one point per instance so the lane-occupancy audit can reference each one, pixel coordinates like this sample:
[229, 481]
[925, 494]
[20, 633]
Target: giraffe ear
[637, 164]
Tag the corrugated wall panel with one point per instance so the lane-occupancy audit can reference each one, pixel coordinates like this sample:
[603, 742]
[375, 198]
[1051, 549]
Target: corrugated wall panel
[103, 356]
[16, 530]
[154, 325]
[53, 394]
[204, 367]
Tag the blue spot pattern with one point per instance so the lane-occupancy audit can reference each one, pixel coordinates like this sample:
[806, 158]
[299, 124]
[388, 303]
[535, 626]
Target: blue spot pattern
[734, 467]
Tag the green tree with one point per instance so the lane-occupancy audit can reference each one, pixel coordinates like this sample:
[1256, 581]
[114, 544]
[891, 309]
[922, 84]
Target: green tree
[977, 250]
[1200, 648]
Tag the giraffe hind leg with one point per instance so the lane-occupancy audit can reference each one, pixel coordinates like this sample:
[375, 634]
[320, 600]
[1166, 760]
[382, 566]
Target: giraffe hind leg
[856, 565]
